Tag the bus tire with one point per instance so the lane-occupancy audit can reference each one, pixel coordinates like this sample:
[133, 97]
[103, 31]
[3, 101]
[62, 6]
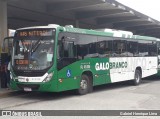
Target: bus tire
[90, 85]
[84, 86]
[137, 78]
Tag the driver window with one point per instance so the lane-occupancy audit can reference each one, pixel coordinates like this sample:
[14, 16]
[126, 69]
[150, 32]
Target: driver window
[67, 49]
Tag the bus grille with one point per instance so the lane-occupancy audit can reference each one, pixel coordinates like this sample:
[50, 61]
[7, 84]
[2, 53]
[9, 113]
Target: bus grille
[20, 73]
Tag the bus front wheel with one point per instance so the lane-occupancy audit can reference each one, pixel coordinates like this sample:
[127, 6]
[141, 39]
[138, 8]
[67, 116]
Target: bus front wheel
[137, 78]
[84, 85]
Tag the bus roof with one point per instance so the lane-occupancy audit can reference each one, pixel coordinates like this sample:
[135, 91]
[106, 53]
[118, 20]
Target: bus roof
[40, 27]
[144, 37]
[111, 33]
[100, 32]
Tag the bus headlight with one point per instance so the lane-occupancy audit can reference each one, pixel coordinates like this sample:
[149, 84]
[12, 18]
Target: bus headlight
[48, 78]
[12, 77]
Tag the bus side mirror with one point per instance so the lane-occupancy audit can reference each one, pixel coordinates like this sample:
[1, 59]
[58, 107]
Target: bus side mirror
[7, 45]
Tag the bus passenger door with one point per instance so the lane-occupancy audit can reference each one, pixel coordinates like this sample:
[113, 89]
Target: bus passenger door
[66, 58]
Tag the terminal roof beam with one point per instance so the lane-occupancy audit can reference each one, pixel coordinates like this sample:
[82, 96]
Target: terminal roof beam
[106, 20]
[154, 33]
[90, 14]
[71, 5]
[150, 29]
[141, 27]
[130, 24]
[97, 13]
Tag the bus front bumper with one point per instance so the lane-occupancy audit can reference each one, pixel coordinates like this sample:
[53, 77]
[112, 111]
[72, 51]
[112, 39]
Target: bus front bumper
[44, 87]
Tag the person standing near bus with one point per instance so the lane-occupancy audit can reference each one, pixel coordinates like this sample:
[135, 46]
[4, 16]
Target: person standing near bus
[7, 71]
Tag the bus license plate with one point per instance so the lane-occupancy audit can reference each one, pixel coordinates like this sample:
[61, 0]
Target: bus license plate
[27, 89]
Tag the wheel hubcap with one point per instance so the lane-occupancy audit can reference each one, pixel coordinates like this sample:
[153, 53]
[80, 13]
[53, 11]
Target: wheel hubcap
[83, 84]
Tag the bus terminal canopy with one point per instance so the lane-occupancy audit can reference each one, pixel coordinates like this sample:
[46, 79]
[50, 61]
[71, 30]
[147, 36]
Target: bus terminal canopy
[90, 14]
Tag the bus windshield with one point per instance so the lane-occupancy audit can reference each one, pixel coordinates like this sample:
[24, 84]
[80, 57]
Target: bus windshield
[33, 52]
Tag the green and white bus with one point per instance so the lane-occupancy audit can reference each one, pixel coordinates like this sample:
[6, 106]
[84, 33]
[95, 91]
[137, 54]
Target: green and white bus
[54, 58]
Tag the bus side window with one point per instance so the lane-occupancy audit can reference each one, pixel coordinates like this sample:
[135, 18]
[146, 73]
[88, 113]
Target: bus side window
[132, 48]
[60, 48]
[152, 49]
[143, 48]
[87, 46]
[119, 48]
[66, 49]
[104, 46]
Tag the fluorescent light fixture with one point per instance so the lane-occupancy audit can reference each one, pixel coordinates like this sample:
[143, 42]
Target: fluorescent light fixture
[131, 12]
[113, 4]
[121, 7]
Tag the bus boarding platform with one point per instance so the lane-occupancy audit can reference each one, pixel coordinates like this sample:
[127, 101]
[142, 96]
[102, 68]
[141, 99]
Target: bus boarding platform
[4, 91]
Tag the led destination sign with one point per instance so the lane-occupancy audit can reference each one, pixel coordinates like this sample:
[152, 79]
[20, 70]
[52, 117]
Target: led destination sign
[34, 32]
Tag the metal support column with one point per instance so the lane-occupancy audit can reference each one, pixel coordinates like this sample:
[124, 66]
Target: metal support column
[3, 20]
[77, 24]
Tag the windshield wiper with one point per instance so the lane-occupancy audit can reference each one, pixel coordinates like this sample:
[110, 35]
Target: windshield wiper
[36, 45]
